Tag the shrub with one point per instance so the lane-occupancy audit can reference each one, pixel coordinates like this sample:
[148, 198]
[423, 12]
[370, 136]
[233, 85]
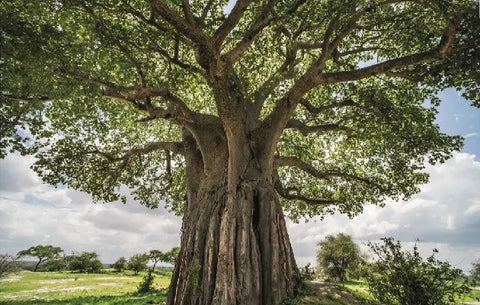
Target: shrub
[404, 278]
[146, 284]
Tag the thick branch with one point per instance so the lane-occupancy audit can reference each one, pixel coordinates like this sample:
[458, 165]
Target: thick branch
[316, 110]
[293, 194]
[439, 52]
[263, 20]
[173, 147]
[307, 129]
[41, 98]
[283, 161]
[190, 31]
[232, 20]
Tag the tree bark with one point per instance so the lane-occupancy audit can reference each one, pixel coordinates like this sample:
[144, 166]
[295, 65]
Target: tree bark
[235, 248]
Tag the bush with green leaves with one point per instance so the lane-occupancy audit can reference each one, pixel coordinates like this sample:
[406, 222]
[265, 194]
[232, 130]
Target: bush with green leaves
[8, 264]
[86, 262]
[404, 278]
[138, 262]
[475, 272]
[146, 285]
[120, 264]
[337, 255]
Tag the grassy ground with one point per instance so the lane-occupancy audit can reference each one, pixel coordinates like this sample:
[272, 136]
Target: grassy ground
[61, 288]
[109, 288]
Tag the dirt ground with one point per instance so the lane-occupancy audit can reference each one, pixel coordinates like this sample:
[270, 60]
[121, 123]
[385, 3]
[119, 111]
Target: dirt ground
[321, 291]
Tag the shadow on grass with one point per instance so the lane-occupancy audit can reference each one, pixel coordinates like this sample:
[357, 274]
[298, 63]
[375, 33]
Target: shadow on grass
[155, 297]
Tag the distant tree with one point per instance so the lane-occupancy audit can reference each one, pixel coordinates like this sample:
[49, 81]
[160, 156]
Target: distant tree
[338, 254]
[172, 255]
[43, 253]
[307, 272]
[8, 263]
[404, 278]
[86, 262]
[475, 272]
[156, 256]
[138, 262]
[120, 264]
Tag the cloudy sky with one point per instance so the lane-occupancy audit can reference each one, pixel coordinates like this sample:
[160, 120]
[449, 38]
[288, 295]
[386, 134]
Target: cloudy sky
[445, 215]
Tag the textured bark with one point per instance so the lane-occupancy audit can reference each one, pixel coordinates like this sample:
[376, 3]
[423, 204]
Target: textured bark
[234, 248]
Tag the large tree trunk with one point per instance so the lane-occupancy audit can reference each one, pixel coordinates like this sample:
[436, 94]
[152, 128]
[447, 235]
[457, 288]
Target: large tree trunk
[234, 248]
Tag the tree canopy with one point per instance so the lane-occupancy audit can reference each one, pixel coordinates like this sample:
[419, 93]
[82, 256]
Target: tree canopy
[42, 253]
[344, 85]
[337, 254]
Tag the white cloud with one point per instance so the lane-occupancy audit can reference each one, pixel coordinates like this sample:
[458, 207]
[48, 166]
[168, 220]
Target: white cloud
[445, 215]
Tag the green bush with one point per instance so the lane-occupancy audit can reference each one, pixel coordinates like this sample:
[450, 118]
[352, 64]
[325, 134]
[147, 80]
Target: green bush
[146, 285]
[404, 278]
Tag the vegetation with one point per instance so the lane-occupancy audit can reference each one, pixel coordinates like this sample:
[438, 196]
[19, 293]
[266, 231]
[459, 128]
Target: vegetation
[338, 255]
[404, 278]
[86, 262]
[475, 272]
[235, 116]
[138, 262]
[42, 253]
[62, 288]
[120, 264]
[8, 264]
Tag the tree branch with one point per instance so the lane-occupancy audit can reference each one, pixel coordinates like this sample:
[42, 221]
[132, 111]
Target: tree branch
[229, 24]
[41, 98]
[262, 21]
[306, 129]
[288, 194]
[444, 47]
[316, 110]
[173, 147]
[190, 31]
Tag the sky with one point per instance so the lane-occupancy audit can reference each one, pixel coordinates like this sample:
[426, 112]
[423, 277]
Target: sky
[445, 215]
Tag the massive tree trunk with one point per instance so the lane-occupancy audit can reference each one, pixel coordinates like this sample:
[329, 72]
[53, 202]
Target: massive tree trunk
[234, 248]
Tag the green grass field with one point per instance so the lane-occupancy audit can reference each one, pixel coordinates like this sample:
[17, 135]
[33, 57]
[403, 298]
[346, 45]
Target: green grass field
[62, 288]
[109, 288]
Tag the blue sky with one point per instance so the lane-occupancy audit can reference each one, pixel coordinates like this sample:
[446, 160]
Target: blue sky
[445, 215]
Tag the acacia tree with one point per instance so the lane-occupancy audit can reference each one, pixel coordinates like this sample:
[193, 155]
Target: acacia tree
[42, 253]
[235, 115]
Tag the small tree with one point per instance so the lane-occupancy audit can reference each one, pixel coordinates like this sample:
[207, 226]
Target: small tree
[120, 264]
[403, 278]
[86, 262]
[43, 253]
[172, 255]
[338, 254]
[138, 262]
[8, 264]
[475, 272]
[156, 256]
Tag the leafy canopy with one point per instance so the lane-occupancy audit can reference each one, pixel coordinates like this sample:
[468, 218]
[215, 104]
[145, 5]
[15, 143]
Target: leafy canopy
[401, 277]
[100, 91]
[338, 254]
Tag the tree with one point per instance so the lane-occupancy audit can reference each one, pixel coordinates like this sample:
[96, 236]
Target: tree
[138, 262]
[156, 256]
[42, 253]
[86, 262]
[475, 272]
[404, 278]
[120, 264]
[8, 263]
[235, 116]
[337, 255]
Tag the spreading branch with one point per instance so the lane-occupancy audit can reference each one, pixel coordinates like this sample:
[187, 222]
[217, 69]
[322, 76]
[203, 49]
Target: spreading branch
[232, 20]
[294, 194]
[307, 129]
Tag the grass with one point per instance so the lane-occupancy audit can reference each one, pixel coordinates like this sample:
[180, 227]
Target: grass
[110, 288]
[61, 288]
